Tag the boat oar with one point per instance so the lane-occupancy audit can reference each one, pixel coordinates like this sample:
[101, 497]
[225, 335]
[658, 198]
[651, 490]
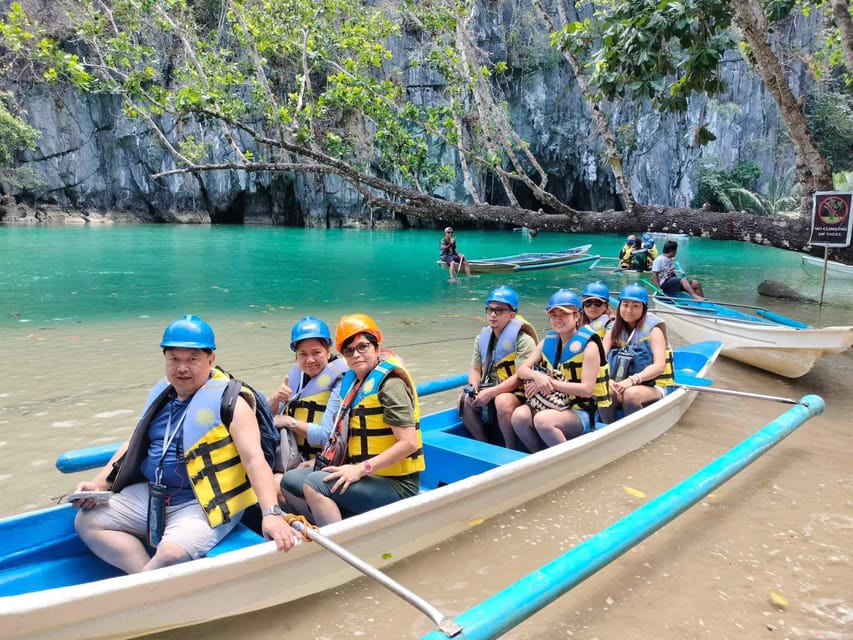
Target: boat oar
[443, 623]
[698, 383]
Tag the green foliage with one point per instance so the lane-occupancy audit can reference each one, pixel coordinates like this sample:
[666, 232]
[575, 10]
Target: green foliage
[725, 190]
[660, 50]
[15, 136]
[312, 74]
[830, 118]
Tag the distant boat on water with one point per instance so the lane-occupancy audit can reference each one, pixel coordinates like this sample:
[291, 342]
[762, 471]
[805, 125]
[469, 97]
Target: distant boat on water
[836, 270]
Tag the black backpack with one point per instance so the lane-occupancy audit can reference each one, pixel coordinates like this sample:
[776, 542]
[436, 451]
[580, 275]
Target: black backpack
[270, 437]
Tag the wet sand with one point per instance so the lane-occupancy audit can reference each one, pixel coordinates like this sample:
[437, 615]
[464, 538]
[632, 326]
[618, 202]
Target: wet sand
[765, 556]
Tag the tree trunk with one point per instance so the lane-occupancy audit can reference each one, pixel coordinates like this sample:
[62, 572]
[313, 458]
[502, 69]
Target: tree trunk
[813, 172]
[841, 11]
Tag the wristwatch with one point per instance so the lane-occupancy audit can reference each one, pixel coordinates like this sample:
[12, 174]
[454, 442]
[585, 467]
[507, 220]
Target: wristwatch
[274, 510]
[368, 468]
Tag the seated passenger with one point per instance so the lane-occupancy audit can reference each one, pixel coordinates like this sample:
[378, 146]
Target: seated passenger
[450, 256]
[579, 354]
[308, 399]
[665, 274]
[639, 355]
[596, 312]
[375, 454]
[625, 253]
[163, 473]
[494, 390]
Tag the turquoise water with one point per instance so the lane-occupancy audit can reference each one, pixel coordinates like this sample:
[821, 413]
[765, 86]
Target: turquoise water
[53, 276]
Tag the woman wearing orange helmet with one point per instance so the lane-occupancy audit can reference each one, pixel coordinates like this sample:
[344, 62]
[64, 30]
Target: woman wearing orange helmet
[375, 454]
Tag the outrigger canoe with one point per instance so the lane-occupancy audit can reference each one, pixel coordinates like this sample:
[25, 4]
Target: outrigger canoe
[532, 261]
[51, 586]
[765, 340]
[835, 270]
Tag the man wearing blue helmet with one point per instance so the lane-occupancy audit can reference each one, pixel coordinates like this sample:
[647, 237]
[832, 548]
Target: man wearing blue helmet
[164, 474]
[494, 390]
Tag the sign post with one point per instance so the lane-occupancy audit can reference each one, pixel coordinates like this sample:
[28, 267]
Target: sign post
[831, 224]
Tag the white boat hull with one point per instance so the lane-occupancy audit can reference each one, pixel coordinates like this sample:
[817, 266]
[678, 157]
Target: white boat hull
[834, 270]
[785, 351]
[257, 577]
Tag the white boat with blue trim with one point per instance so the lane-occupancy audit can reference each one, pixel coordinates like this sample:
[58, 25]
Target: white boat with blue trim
[52, 587]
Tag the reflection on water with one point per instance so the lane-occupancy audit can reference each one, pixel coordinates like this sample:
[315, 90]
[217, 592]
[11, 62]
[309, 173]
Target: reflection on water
[784, 526]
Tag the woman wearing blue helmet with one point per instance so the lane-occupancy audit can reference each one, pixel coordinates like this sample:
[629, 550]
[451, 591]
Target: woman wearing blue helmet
[548, 419]
[596, 310]
[307, 400]
[639, 355]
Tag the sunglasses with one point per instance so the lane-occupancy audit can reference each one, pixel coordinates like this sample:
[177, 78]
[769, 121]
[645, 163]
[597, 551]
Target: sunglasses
[361, 347]
[498, 311]
[593, 303]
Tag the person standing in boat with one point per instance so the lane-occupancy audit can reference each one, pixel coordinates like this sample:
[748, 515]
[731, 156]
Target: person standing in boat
[164, 474]
[638, 351]
[449, 255]
[626, 252]
[308, 399]
[375, 453]
[578, 353]
[665, 275]
[494, 390]
[596, 312]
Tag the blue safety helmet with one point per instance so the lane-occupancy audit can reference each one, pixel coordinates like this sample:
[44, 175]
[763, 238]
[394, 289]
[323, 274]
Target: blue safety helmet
[630, 240]
[504, 294]
[189, 332]
[635, 292]
[596, 289]
[563, 298]
[310, 327]
[647, 237]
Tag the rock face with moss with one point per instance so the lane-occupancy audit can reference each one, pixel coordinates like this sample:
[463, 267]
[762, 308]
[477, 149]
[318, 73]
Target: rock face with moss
[91, 157]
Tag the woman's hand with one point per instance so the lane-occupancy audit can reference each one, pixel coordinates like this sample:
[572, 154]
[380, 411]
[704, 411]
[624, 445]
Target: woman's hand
[281, 395]
[344, 476]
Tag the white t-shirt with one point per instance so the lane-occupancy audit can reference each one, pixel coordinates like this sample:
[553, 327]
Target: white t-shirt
[664, 266]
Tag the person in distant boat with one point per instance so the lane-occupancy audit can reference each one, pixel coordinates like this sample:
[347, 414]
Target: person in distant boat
[644, 256]
[375, 453]
[626, 252]
[596, 310]
[665, 275]
[639, 355]
[578, 353]
[308, 399]
[494, 390]
[164, 474]
[455, 260]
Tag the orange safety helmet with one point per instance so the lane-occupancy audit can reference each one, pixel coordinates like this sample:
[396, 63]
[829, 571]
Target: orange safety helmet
[353, 324]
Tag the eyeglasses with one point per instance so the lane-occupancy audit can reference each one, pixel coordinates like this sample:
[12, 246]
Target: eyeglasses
[592, 302]
[361, 347]
[498, 311]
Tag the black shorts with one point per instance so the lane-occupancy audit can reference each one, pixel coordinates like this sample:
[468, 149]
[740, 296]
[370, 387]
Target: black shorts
[671, 286]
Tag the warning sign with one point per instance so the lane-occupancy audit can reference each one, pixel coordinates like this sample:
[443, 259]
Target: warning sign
[831, 219]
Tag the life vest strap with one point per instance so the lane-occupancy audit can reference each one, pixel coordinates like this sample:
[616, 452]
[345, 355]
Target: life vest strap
[204, 448]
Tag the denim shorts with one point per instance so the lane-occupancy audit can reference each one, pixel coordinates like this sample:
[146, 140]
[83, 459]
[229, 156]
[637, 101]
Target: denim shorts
[368, 493]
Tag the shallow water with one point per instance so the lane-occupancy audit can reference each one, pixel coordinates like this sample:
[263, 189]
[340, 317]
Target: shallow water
[81, 355]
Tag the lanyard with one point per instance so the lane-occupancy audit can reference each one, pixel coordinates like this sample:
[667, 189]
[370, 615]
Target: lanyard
[168, 438]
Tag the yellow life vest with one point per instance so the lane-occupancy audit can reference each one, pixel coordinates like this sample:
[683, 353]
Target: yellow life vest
[506, 347]
[368, 433]
[570, 362]
[313, 399]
